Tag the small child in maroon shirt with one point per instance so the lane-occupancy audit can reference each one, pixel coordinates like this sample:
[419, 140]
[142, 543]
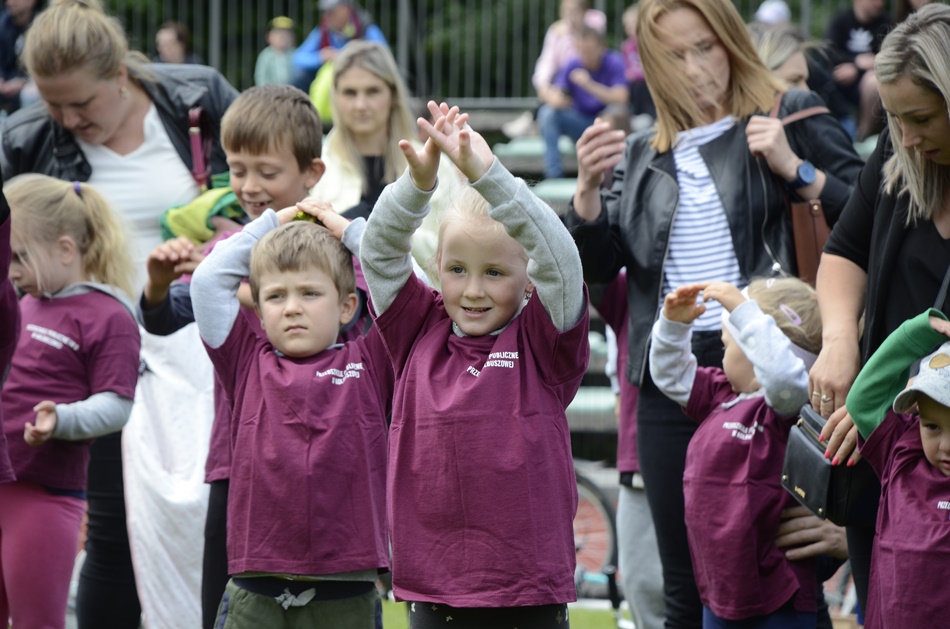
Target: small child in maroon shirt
[905, 436]
[731, 485]
[72, 379]
[481, 492]
[306, 502]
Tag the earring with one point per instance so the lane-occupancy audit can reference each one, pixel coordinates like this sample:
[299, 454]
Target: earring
[124, 93]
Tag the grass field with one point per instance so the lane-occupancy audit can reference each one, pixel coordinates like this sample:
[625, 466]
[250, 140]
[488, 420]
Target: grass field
[394, 617]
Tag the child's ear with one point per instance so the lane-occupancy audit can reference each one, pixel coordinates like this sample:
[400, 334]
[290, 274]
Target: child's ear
[315, 172]
[348, 308]
[66, 250]
[528, 290]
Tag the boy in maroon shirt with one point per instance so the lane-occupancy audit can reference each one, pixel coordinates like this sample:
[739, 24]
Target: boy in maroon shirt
[306, 508]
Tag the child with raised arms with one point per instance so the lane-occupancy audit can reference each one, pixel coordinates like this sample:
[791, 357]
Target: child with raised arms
[72, 379]
[481, 492]
[271, 137]
[732, 483]
[306, 503]
[905, 435]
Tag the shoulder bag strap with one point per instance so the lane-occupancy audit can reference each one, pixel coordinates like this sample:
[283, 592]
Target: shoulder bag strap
[199, 134]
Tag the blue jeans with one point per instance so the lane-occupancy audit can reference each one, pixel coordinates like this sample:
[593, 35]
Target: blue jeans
[784, 618]
[554, 123]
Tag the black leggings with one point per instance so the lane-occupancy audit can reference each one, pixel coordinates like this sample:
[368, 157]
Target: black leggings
[435, 616]
[214, 568]
[107, 598]
[861, 539]
[663, 434]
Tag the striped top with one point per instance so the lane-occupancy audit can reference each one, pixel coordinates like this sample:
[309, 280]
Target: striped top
[701, 247]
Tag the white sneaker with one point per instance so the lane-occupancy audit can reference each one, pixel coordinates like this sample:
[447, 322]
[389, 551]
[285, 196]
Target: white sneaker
[520, 126]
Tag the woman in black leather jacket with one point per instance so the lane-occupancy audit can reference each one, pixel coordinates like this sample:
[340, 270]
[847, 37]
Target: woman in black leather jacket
[715, 158]
[111, 119]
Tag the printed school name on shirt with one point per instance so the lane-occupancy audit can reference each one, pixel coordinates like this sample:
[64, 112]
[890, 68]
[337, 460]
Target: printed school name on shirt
[944, 505]
[51, 337]
[339, 376]
[741, 431]
[505, 360]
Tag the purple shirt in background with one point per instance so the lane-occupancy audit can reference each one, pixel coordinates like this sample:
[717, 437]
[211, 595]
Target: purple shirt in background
[610, 73]
[9, 332]
[633, 69]
[734, 499]
[613, 310]
[69, 349]
[308, 474]
[912, 545]
[481, 491]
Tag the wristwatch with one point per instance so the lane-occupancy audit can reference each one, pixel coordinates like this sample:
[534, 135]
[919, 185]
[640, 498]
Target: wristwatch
[805, 176]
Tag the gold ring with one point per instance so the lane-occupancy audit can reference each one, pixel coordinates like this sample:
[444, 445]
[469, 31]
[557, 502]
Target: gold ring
[825, 398]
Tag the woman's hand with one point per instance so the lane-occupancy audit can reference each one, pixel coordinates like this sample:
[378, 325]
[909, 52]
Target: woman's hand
[599, 149]
[805, 535]
[40, 431]
[682, 304]
[766, 138]
[841, 438]
[453, 136]
[725, 293]
[834, 371]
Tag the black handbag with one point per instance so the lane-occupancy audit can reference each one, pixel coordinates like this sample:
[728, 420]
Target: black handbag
[829, 491]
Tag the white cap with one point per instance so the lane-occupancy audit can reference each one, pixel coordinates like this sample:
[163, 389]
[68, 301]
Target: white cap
[933, 380]
[773, 12]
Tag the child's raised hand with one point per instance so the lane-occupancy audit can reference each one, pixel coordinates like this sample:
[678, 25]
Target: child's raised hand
[324, 212]
[39, 432]
[464, 146]
[303, 212]
[726, 294]
[682, 304]
[940, 325]
[166, 263]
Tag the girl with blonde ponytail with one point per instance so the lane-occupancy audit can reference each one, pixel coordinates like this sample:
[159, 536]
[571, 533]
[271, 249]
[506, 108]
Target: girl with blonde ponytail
[72, 379]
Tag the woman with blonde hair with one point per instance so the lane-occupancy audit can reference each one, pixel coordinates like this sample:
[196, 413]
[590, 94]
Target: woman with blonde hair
[371, 113]
[110, 119]
[701, 197]
[889, 253]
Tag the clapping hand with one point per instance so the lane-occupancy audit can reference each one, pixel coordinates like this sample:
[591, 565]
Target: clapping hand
[726, 294]
[451, 134]
[682, 304]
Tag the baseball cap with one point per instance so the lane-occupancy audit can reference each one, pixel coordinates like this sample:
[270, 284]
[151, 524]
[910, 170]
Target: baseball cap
[773, 12]
[326, 5]
[933, 380]
[282, 22]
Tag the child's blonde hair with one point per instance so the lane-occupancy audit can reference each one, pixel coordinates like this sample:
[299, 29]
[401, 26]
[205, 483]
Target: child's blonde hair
[794, 306]
[299, 246]
[43, 209]
[470, 210]
[268, 117]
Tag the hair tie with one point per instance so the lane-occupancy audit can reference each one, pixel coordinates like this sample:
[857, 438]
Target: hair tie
[78, 188]
[789, 312]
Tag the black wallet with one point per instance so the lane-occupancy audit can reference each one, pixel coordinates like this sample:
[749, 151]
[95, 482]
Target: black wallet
[829, 491]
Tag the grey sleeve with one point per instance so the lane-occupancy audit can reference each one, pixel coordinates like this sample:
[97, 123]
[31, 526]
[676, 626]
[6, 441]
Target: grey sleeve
[99, 414]
[780, 373]
[554, 265]
[386, 258]
[672, 363]
[215, 282]
[353, 237]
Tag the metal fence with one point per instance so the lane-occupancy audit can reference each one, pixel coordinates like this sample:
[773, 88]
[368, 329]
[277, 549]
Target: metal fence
[472, 52]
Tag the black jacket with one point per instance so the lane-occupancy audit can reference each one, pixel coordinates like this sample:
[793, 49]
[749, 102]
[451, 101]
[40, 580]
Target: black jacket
[32, 142]
[639, 209]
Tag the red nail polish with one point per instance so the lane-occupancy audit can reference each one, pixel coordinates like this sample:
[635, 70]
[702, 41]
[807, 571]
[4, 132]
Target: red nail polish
[850, 462]
[827, 454]
[834, 461]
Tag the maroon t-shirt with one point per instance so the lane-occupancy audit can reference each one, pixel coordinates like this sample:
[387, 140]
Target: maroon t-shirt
[734, 500]
[69, 349]
[614, 311]
[9, 332]
[481, 492]
[308, 473]
[912, 545]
